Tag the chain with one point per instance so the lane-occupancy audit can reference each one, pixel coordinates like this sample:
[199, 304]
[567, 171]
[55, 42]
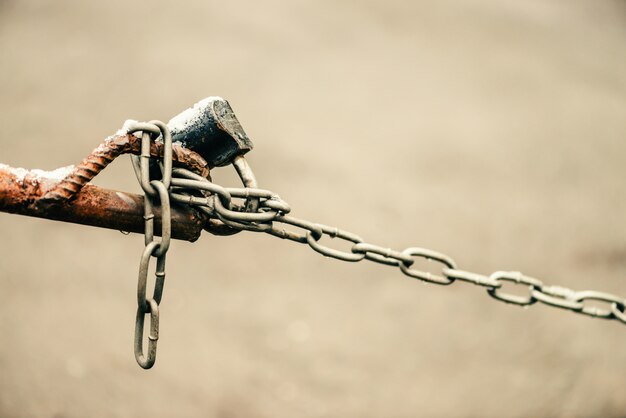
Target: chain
[156, 192]
[271, 217]
[253, 209]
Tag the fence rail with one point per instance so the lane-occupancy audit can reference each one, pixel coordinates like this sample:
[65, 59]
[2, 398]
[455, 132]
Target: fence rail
[21, 192]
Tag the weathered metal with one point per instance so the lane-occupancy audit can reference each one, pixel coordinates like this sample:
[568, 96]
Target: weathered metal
[203, 204]
[157, 192]
[109, 150]
[21, 192]
[179, 174]
[271, 217]
[211, 129]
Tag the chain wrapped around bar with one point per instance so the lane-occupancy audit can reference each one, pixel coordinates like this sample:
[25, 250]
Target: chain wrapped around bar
[229, 210]
[271, 216]
[156, 192]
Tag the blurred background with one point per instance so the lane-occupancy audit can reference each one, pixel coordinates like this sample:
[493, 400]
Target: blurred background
[486, 129]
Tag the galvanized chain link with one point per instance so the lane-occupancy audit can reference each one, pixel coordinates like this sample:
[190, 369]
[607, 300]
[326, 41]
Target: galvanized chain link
[271, 216]
[156, 193]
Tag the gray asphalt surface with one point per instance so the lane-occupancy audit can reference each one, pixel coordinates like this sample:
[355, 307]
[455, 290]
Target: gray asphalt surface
[489, 130]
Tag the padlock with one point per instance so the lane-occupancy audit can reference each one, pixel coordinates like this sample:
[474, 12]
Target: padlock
[211, 129]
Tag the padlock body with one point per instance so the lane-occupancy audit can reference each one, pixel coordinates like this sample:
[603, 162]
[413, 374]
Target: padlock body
[211, 129]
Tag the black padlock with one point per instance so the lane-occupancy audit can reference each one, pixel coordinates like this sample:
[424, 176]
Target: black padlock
[211, 129]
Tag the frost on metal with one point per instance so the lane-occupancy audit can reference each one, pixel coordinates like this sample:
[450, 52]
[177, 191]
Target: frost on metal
[211, 129]
[120, 132]
[37, 174]
[125, 127]
[190, 117]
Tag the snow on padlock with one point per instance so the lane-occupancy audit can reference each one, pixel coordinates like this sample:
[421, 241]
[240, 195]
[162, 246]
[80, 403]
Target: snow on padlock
[211, 129]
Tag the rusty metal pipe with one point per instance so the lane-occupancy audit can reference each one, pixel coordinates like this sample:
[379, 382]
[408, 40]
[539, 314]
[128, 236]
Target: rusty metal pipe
[21, 192]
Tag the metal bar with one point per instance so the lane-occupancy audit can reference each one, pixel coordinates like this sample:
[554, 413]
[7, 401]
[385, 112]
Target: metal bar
[108, 151]
[21, 192]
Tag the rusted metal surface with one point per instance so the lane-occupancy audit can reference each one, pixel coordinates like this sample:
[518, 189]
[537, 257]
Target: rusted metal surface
[109, 150]
[22, 192]
[209, 131]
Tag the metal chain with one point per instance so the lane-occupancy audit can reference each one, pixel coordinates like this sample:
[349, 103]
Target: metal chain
[261, 210]
[156, 193]
[271, 217]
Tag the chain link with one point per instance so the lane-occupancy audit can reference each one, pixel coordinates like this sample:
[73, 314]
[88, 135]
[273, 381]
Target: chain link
[252, 209]
[156, 193]
[271, 217]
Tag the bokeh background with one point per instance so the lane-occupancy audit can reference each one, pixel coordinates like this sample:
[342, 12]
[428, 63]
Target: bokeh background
[490, 130]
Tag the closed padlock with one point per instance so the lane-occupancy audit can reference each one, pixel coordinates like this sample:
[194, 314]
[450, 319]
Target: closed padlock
[211, 129]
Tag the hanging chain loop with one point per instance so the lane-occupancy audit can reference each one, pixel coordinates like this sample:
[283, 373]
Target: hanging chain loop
[156, 194]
